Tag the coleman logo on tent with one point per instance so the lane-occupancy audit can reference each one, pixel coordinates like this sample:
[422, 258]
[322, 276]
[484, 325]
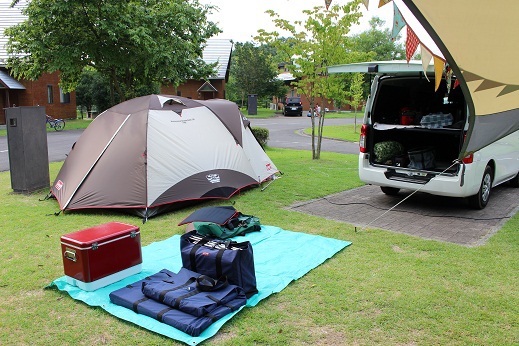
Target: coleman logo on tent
[58, 185]
[213, 178]
[268, 166]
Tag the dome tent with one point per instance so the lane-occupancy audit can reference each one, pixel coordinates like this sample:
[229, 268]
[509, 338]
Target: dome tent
[153, 152]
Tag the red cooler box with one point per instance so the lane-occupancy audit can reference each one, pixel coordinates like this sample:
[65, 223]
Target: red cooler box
[98, 256]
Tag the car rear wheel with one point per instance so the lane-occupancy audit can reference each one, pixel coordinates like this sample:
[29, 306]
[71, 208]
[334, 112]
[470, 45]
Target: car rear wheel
[480, 199]
[390, 191]
[514, 182]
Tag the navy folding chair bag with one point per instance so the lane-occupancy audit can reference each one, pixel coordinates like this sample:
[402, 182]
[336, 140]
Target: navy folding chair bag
[198, 296]
[133, 298]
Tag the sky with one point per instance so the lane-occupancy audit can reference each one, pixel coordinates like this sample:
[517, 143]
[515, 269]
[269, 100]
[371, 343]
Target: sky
[241, 19]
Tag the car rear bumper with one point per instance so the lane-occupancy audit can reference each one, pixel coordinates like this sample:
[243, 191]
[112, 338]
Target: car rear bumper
[451, 185]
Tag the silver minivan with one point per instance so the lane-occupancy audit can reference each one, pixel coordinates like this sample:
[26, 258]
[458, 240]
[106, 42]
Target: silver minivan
[413, 135]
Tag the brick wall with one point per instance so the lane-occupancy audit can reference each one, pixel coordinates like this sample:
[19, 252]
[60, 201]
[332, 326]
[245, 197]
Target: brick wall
[35, 94]
[190, 90]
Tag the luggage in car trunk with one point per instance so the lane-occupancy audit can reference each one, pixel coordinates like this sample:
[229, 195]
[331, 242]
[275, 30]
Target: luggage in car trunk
[421, 158]
[98, 256]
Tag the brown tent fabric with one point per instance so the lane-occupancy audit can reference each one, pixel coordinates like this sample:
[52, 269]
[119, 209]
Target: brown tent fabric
[149, 153]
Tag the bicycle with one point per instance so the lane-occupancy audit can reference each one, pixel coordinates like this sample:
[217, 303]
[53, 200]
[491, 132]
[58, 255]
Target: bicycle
[56, 124]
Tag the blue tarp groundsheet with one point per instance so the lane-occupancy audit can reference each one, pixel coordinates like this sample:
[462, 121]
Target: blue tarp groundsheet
[280, 257]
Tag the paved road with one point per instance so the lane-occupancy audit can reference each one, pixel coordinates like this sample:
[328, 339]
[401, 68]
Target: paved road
[59, 144]
[284, 133]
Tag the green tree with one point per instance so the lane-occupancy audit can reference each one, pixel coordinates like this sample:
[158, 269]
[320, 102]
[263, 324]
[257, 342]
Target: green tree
[134, 44]
[378, 40]
[321, 40]
[253, 72]
[91, 91]
[356, 92]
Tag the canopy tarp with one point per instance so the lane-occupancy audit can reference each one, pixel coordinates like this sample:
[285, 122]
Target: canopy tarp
[478, 40]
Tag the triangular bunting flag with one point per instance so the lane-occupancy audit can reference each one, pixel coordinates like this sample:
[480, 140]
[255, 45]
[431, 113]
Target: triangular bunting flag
[488, 84]
[456, 84]
[470, 77]
[411, 43]
[398, 22]
[366, 3]
[327, 3]
[508, 89]
[426, 59]
[383, 2]
[448, 77]
[438, 72]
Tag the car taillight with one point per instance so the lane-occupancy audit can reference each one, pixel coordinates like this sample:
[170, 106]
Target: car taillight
[362, 139]
[468, 159]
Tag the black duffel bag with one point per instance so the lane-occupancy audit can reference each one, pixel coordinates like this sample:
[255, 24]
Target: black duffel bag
[216, 258]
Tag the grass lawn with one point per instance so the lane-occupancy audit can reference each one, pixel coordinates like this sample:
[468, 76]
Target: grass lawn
[343, 132]
[261, 113]
[70, 124]
[334, 115]
[386, 288]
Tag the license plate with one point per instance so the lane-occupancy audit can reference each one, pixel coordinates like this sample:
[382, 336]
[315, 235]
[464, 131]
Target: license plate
[294, 108]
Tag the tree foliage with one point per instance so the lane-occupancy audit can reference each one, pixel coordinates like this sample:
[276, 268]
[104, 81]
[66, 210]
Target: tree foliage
[379, 42]
[253, 72]
[133, 43]
[320, 41]
[92, 91]
[356, 93]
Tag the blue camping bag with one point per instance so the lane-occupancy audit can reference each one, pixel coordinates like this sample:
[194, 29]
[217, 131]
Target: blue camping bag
[216, 258]
[131, 297]
[198, 296]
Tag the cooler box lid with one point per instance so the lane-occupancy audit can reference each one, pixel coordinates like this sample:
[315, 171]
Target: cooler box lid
[99, 234]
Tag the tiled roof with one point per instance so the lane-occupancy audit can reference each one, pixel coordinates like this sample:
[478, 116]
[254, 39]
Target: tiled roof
[9, 82]
[218, 50]
[8, 17]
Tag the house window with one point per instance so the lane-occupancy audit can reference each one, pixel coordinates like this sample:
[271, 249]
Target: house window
[50, 95]
[179, 93]
[64, 97]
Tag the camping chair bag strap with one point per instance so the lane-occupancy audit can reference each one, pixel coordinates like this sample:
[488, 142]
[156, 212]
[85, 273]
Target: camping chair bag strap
[131, 296]
[163, 293]
[216, 259]
[192, 257]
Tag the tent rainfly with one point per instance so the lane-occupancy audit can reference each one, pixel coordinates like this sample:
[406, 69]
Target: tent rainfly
[152, 153]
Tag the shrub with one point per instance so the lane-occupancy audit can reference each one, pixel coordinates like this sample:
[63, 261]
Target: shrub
[261, 134]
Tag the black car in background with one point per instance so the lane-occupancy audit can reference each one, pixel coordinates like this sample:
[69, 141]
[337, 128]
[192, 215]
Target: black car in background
[293, 106]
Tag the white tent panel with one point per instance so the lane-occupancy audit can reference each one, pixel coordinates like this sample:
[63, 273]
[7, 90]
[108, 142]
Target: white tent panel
[180, 146]
[260, 162]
